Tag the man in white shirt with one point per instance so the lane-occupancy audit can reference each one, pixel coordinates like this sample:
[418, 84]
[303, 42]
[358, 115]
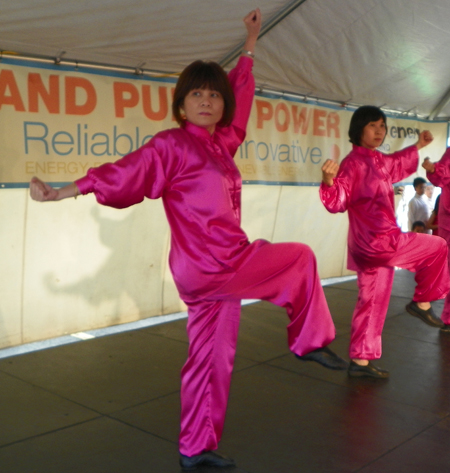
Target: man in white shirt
[429, 196]
[418, 209]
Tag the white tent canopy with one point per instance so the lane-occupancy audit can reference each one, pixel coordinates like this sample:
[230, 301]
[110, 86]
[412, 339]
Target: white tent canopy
[389, 53]
[76, 266]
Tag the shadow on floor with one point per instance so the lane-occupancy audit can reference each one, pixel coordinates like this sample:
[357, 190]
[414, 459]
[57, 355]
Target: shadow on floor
[111, 404]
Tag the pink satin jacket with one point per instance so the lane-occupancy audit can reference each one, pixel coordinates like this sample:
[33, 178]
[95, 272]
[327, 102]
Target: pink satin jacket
[441, 178]
[363, 186]
[195, 175]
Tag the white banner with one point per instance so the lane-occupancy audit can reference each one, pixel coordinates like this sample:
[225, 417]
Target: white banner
[57, 121]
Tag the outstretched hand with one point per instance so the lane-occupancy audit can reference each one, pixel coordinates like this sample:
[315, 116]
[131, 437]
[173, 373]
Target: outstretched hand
[428, 165]
[253, 24]
[41, 191]
[425, 138]
[329, 171]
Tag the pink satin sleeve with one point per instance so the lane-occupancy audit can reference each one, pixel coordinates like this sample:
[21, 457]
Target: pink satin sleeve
[441, 178]
[363, 187]
[441, 175]
[243, 85]
[129, 180]
[335, 198]
[402, 164]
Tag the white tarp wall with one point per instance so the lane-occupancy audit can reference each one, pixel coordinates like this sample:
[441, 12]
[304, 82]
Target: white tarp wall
[74, 265]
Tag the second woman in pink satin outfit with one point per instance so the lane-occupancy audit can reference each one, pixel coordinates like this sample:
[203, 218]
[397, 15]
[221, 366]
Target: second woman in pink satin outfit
[363, 185]
[439, 175]
[213, 264]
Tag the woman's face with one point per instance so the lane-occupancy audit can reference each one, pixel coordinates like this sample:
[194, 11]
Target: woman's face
[204, 107]
[373, 134]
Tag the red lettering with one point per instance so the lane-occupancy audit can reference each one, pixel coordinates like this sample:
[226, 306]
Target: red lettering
[8, 81]
[318, 122]
[72, 85]
[120, 101]
[333, 124]
[301, 119]
[282, 126]
[264, 112]
[147, 103]
[172, 93]
[37, 89]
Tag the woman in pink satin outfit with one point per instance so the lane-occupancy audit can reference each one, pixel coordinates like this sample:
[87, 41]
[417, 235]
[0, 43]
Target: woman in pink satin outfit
[363, 185]
[213, 264]
[439, 175]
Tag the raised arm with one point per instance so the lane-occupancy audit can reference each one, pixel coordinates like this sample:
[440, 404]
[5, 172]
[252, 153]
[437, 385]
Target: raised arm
[403, 163]
[438, 173]
[329, 172]
[335, 187]
[425, 138]
[241, 78]
[253, 24]
[428, 165]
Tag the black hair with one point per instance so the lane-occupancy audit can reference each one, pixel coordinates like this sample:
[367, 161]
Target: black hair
[417, 223]
[204, 75]
[419, 180]
[360, 118]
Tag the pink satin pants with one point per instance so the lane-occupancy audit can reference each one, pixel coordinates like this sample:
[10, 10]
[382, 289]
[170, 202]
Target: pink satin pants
[284, 274]
[426, 255]
[445, 316]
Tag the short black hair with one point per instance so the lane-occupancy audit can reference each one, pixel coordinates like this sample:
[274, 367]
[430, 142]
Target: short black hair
[360, 118]
[419, 180]
[417, 223]
[204, 75]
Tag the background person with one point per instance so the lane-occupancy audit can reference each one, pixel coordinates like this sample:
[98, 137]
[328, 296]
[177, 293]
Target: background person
[439, 174]
[433, 222]
[429, 196]
[418, 227]
[418, 208]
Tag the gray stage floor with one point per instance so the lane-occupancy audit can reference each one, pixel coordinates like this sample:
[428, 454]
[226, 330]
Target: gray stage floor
[111, 404]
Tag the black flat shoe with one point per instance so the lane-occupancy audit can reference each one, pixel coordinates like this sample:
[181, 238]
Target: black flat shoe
[325, 357]
[445, 329]
[427, 316]
[370, 370]
[205, 459]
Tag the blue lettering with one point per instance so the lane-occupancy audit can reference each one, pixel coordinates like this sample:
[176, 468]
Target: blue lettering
[273, 152]
[42, 137]
[316, 153]
[286, 152]
[116, 139]
[102, 145]
[266, 151]
[56, 144]
[247, 143]
[304, 156]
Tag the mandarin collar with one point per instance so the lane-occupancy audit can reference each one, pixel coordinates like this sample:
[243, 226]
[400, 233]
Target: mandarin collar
[370, 153]
[198, 131]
